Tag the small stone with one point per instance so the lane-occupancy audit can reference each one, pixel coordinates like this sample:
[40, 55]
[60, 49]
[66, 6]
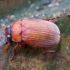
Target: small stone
[67, 47]
[39, 8]
[12, 18]
[32, 16]
[54, 15]
[50, 5]
[43, 15]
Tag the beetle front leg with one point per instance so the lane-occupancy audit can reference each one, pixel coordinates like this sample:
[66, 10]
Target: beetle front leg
[17, 49]
[14, 49]
[6, 47]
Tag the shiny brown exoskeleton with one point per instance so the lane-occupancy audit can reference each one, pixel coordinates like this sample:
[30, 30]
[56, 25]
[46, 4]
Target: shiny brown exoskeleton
[39, 33]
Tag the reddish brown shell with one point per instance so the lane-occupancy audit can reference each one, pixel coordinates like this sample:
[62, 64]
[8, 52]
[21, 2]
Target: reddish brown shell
[36, 32]
[15, 31]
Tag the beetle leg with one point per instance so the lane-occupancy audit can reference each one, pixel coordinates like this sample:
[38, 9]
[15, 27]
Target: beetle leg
[47, 19]
[6, 47]
[12, 57]
[47, 50]
[54, 20]
[58, 54]
[14, 49]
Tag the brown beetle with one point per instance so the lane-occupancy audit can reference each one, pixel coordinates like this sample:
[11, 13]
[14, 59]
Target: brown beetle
[38, 33]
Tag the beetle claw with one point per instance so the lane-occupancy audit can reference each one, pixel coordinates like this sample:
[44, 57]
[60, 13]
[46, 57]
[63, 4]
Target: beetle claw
[12, 58]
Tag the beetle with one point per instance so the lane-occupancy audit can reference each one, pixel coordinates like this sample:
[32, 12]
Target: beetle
[38, 33]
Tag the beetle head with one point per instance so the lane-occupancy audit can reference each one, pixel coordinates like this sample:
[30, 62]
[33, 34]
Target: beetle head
[8, 33]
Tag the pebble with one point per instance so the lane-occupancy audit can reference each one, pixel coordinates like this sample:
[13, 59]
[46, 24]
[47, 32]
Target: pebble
[67, 47]
[50, 5]
[39, 8]
[43, 15]
[11, 17]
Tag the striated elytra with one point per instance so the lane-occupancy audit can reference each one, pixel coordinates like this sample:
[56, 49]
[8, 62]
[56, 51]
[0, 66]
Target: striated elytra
[35, 32]
[38, 33]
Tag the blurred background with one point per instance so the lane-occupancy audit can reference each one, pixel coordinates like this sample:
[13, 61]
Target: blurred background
[12, 10]
[15, 9]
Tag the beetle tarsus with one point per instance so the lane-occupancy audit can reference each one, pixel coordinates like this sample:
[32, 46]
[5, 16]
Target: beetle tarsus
[12, 57]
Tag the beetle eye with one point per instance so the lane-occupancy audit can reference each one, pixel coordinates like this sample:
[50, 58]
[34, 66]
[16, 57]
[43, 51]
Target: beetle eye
[8, 36]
